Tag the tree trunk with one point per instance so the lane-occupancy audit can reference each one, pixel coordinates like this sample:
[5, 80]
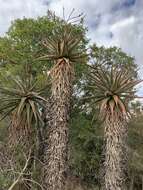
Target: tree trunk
[57, 131]
[21, 142]
[115, 155]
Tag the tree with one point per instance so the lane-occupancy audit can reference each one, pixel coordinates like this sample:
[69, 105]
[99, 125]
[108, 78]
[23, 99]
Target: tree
[86, 140]
[63, 48]
[113, 56]
[110, 88]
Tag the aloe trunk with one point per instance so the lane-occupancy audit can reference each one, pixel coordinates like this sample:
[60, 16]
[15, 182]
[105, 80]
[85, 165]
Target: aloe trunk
[115, 155]
[21, 137]
[57, 134]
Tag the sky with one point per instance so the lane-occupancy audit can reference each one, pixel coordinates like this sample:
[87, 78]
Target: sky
[110, 22]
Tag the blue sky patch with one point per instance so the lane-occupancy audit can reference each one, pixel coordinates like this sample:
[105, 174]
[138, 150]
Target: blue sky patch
[129, 3]
[123, 4]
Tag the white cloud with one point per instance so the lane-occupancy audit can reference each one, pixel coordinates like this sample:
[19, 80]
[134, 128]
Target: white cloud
[123, 23]
[12, 9]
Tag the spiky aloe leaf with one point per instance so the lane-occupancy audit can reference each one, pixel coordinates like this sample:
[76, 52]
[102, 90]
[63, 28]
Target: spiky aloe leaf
[65, 43]
[23, 99]
[110, 88]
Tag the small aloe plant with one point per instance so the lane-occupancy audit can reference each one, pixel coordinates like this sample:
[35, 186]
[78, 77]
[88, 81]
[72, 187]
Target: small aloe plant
[22, 100]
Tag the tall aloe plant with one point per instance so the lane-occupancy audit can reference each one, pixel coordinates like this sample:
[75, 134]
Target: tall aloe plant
[110, 89]
[22, 100]
[63, 48]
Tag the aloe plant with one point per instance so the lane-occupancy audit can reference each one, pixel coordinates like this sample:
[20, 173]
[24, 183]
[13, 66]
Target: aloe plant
[22, 101]
[63, 49]
[110, 90]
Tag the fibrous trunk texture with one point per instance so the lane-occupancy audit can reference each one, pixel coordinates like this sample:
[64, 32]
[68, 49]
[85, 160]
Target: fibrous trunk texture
[20, 134]
[56, 149]
[115, 155]
[21, 142]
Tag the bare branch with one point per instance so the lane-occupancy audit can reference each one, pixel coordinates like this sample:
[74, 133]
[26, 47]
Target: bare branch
[21, 173]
